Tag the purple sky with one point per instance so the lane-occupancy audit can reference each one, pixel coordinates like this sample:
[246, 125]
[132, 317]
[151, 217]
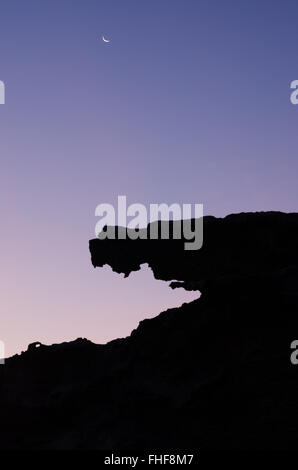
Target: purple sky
[189, 102]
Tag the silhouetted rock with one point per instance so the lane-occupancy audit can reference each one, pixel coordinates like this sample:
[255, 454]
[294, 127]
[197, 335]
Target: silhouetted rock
[243, 244]
[212, 374]
[34, 346]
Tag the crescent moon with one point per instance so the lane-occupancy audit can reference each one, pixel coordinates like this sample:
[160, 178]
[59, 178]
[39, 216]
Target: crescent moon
[105, 40]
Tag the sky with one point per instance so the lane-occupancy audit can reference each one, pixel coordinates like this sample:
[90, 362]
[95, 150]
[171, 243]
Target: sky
[188, 103]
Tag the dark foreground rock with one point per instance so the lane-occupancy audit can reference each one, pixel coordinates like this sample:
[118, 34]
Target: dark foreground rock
[212, 374]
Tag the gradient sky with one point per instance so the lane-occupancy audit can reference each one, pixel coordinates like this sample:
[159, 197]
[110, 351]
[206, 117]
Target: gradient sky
[189, 102]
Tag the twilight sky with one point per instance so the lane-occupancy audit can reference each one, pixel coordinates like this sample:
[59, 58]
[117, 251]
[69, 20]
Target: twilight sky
[189, 102]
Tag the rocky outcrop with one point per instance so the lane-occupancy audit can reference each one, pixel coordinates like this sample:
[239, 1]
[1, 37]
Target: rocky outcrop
[212, 374]
[263, 245]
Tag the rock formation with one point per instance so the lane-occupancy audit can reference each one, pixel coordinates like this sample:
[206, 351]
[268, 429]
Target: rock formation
[212, 374]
